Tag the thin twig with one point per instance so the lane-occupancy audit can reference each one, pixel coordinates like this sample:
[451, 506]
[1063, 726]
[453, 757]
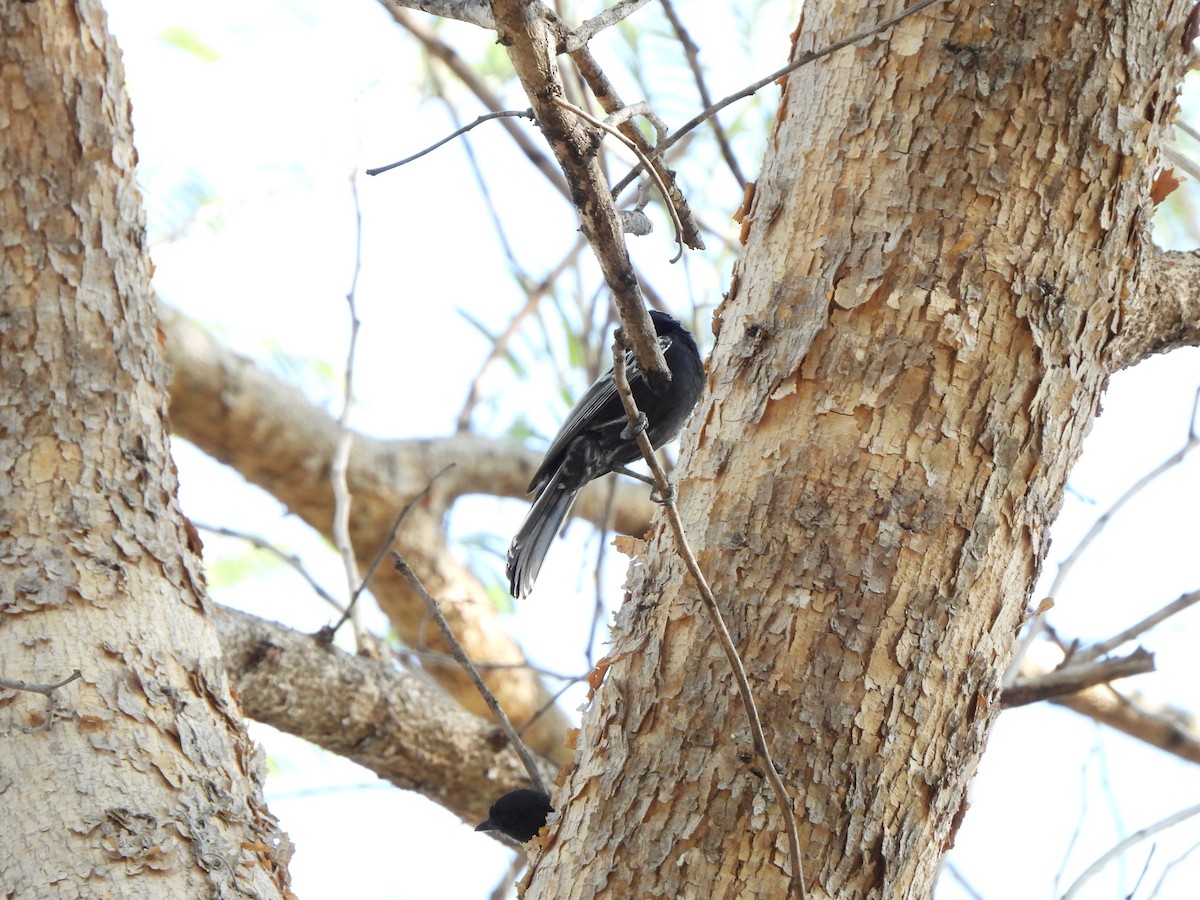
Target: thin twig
[601, 552]
[340, 463]
[1181, 160]
[493, 213]
[714, 612]
[549, 704]
[290, 558]
[1142, 875]
[1079, 821]
[606, 95]
[383, 549]
[692, 52]
[1133, 840]
[1162, 879]
[46, 689]
[530, 36]
[749, 90]
[1166, 728]
[435, 611]
[1097, 650]
[500, 891]
[504, 113]
[475, 83]
[436, 656]
[604, 126]
[593, 26]
[1064, 567]
[500, 346]
[968, 888]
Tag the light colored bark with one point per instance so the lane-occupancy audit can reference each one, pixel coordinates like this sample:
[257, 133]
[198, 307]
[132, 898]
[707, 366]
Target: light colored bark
[137, 779]
[912, 349]
[1163, 312]
[394, 723]
[276, 439]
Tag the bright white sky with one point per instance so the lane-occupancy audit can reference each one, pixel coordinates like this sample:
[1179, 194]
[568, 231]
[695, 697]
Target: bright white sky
[294, 96]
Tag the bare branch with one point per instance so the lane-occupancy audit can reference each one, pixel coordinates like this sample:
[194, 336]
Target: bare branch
[1170, 730]
[1166, 872]
[1097, 650]
[1182, 161]
[1164, 311]
[593, 26]
[290, 558]
[440, 50]
[1064, 567]
[383, 549]
[1072, 678]
[474, 12]
[606, 95]
[529, 35]
[486, 117]
[342, 498]
[277, 439]
[640, 109]
[46, 689]
[1133, 840]
[394, 723]
[803, 60]
[460, 656]
[952, 870]
[500, 345]
[692, 53]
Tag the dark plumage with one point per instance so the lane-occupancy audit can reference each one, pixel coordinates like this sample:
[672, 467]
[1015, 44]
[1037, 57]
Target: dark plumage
[593, 441]
[520, 814]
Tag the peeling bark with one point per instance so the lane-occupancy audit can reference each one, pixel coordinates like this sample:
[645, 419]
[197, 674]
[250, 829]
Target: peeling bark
[913, 347]
[137, 778]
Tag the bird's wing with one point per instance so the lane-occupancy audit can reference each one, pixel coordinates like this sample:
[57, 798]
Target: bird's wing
[598, 399]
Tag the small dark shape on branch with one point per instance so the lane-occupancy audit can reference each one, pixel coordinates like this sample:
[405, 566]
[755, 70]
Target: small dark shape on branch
[520, 814]
[594, 440]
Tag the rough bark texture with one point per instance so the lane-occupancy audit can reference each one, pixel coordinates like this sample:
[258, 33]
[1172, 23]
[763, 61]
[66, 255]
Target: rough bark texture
[394, 723]
[136, 779]
[913, 347]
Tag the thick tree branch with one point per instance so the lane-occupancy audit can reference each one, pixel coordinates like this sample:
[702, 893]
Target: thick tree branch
[1071, 679]
[1164, 311]
[474, 12]
[1169, 729]
[391, 722]
[212, 382]
[526, 31]
[277, 440]
[1150, 721]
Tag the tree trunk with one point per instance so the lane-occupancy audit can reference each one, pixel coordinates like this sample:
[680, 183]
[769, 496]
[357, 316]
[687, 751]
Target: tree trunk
[945, 242]
[136, 778]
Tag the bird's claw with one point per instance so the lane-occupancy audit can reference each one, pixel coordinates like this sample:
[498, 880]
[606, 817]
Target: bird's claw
[656, 497]
[631, 431]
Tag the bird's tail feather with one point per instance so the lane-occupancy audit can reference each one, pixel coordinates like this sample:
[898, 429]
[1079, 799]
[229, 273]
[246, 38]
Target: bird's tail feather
[536, 534]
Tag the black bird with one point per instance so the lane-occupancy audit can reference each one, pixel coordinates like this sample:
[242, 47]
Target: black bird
[520, 814]
[594, 441]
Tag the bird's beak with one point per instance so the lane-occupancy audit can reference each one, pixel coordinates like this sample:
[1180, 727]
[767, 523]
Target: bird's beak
[485, 825]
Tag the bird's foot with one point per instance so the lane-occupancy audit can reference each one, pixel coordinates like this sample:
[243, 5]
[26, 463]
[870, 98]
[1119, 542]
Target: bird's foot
[630, 432]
